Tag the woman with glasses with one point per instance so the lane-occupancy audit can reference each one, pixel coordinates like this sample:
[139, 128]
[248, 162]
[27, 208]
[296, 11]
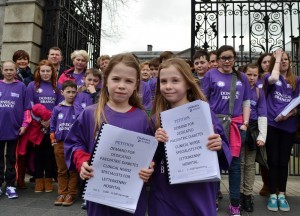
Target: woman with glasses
[217, 88]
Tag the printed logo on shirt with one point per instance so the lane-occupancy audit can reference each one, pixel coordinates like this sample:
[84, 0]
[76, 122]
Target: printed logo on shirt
[53, 91]
[260, 86]
[0, 94]
[14, 95]
[60, 116]
[279, 83]
[221, 84]
[83, 105]
[253, 102]
[40, 90]
[7, 103]
[288, 85]
[73, 117]
[65, 126]
[47, 100]
[282, 97]
[239, 83]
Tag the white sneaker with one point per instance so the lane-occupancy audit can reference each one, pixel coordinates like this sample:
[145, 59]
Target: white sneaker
[11, 193]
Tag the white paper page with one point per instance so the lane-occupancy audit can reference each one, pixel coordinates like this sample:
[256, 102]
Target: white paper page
[294, 103]
[119, 156]
[188, 128]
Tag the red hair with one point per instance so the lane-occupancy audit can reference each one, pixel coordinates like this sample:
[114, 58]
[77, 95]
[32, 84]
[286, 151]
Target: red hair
[37, 75]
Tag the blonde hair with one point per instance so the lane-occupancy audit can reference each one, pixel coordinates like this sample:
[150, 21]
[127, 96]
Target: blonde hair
[193, 93]
[82, 53]
[130, 61]
[144, 64]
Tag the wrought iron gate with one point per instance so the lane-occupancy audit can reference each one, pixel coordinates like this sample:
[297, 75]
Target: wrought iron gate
[251, 26]
[72, 25]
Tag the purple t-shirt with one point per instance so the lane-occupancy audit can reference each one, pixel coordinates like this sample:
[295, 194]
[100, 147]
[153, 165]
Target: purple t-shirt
[45, 95]
[257, 103]
[216, 86]
[62, 120]
[81, 136]
[146, 95]
[260, 83]
[82, 100]
[279, 95]
[12, 107]
[79, 79]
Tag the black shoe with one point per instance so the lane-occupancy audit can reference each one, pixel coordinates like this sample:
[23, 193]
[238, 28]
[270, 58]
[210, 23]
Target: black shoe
[248, 203]
[219, 195]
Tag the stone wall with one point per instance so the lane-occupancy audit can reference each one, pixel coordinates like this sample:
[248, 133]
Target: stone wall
[22, 29]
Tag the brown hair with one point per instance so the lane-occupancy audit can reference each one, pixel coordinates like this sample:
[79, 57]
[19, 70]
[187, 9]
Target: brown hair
[20, 54]
[130, 61]
[37, 75]
[95, 72]
[290, 76]
[193, 93]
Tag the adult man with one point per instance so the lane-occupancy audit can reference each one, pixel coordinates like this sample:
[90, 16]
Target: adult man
[55, 56]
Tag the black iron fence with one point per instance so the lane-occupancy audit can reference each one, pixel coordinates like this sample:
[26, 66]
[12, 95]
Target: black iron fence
[251, 26]
[72, 25]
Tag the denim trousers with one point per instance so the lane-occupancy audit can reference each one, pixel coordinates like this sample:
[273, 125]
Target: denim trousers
[235, 173]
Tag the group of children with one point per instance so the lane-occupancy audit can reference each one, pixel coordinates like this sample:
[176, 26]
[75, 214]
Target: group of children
[118, 93]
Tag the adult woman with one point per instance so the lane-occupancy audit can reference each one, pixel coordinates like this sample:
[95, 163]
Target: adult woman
[281, 87]
[21, 58]
[43, 91]
[80, 58]
[216, 85]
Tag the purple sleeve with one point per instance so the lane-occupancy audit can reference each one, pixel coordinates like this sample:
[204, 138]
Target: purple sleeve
[29, 96]
[146, 94]
[247, 88]
[59, 98]
[53, 120]
[224, 155]
[80, 136]
[262, 105]
[205, 85]
[77, 104]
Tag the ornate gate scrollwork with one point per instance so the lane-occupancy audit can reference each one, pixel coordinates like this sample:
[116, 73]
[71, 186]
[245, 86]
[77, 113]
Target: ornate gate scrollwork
[251, 26]
[71, 25]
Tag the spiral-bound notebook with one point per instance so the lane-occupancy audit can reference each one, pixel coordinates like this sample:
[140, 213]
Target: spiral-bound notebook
[188, 159]
[118, 157]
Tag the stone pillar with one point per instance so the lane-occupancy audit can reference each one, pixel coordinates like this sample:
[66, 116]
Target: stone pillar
[22, 29]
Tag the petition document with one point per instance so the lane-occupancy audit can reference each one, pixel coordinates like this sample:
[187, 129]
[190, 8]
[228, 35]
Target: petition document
[118, 157]
[188, 159]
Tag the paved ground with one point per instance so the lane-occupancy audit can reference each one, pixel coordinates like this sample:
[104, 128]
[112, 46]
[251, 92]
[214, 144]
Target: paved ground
[41, 204]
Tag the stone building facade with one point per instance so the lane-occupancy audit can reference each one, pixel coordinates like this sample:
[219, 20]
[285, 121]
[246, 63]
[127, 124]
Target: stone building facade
[21, 23]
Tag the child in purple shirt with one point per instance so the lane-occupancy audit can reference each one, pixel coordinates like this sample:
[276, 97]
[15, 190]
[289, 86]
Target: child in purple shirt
[281, 86]
[43, 90]
[255, 138]
[12, 107]
[119, 105]
[176, 86]
[63, 117]
[89, 93]
[216, 85]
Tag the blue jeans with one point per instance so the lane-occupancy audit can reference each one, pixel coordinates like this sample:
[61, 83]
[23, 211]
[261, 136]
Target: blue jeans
[235, 173]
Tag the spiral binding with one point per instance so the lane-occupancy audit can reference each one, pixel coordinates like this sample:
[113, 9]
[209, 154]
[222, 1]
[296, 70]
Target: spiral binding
[166, 158]
[97, 141]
